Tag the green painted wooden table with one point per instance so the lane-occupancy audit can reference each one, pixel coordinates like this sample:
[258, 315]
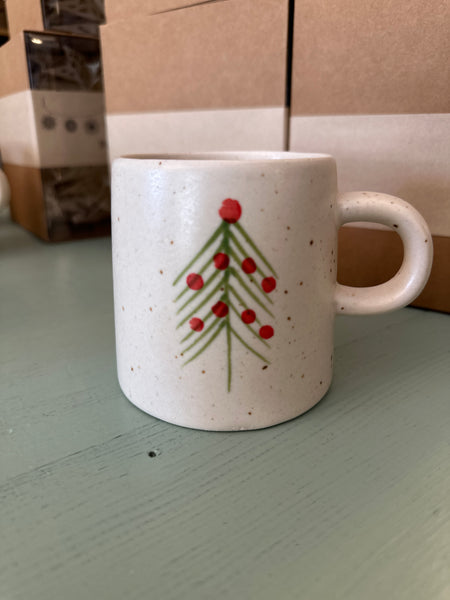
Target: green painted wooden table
[349, 501]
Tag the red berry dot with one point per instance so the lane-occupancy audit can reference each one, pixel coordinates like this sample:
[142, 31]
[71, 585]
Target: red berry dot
[248, 316]
[266, 332]
[248, 265]
[220, 309]
[268, 284]
[194, 281]
[196, 324]
[230, 211]
[221, 261]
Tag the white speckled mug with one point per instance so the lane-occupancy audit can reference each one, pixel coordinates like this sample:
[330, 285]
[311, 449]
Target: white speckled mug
[225, 282]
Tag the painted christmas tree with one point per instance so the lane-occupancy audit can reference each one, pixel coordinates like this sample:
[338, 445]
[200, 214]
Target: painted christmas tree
[232, 298]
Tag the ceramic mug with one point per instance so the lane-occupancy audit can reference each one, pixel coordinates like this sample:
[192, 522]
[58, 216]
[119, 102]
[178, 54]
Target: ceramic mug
[225, 285]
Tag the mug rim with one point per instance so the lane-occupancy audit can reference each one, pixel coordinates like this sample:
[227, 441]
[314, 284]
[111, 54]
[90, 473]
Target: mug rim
[225, 157]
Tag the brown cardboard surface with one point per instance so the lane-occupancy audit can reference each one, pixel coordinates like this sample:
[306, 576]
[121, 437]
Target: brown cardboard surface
[27, 202]
[353, 57]
[216, 55]
[13, 66]
[24, 14]
[372, 256]
[402, 155]
[117, 10]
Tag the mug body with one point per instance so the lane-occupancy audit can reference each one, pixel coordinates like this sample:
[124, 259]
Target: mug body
[224, 277]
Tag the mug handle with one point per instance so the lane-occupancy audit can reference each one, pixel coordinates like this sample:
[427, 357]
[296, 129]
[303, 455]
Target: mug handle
[410, 280]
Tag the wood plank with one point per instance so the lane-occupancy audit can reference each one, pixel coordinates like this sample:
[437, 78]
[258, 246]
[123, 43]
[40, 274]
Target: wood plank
[351, 497]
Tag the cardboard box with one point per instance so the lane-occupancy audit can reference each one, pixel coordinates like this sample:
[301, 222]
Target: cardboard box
[371, 86]
[372, 256]
[79, 17]
[52, 134]
[207, 77]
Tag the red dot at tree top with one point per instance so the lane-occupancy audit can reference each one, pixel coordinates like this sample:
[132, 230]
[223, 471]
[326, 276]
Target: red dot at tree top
[248, 265]
[196, 324]
[194, 281]
[266, 332]
[230, 211]
[221, 261]
[268, 284]
[220, 309]
[248, 316]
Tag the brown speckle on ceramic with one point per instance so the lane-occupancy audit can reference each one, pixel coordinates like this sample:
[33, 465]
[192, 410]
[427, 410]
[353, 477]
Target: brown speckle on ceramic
[311, 242]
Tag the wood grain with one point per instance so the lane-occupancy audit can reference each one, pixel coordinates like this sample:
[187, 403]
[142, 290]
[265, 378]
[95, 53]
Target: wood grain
[349, 501]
